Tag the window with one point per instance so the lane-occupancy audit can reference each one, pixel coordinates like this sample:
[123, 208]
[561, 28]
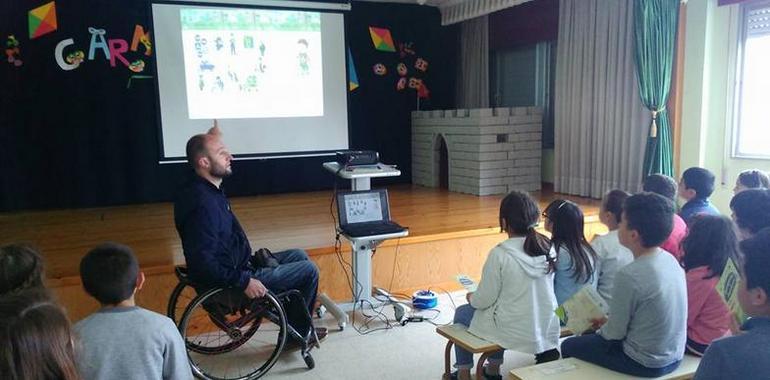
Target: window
[524, 76]
[752, 121]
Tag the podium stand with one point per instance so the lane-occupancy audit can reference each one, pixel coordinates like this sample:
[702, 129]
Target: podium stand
[361, 177]
[363, 246]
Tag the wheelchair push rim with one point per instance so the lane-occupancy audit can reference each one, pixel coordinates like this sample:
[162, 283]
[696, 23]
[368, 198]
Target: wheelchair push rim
[235, 340]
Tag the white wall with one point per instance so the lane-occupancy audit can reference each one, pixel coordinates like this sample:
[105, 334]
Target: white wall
[709, 67]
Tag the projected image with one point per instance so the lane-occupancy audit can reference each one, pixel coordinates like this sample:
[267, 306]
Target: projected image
[249, 63]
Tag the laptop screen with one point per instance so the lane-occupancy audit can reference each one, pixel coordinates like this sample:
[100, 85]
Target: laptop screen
[363, 206]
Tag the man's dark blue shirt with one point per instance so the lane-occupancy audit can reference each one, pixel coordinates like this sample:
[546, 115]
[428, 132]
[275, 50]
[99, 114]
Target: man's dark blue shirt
[215, 246]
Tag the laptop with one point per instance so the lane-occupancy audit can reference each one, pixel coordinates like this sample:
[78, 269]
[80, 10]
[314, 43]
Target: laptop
[365, 213]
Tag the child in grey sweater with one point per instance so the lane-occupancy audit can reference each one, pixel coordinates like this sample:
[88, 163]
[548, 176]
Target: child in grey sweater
[122, 340]
[646, 331]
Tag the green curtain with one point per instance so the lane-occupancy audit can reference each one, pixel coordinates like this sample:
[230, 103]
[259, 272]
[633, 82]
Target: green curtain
[655, 26]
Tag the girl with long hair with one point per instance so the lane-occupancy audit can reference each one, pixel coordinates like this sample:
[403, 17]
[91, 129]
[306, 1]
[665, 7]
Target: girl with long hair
[514, 303]
[576, 262]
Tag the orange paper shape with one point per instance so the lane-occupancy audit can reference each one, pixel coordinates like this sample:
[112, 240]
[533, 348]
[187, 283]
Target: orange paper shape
[381, 39]
[42, 20]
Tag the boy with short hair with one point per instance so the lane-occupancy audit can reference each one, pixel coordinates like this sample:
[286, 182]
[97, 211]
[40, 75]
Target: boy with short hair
[645, 333]
[746, 356]
[696, 186]
[122, 340]
[667, 187]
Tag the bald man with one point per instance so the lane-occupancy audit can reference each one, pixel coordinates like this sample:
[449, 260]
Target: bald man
[215, 246]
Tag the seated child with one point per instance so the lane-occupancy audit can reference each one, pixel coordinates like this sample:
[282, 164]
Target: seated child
[707, 247]
[746, 356]
[21, 267]
[610, 253]
[121, 340]
[514, 303]
[696, 187]
[576, 261]
[667, 187]
[36, 338]
[751, 211]
[751, 179]
[645, 332]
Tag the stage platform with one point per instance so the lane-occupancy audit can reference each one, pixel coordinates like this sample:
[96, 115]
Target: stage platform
[449, 233]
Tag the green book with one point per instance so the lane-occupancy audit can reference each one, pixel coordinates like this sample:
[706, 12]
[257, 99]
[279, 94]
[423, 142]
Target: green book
[727, 287]
[579, 310]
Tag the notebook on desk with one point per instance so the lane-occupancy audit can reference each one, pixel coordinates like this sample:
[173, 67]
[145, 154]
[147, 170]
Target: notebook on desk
[365, 213]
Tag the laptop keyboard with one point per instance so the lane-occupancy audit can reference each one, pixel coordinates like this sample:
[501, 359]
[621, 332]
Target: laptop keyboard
[370, 229]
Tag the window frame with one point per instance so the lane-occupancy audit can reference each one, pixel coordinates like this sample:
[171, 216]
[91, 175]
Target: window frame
[739, 69]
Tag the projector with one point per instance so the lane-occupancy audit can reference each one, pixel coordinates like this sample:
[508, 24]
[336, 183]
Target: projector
[357, 157]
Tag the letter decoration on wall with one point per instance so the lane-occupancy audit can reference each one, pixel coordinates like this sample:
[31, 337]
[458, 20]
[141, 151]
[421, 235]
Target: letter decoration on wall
[66, 64]
[117, 48]
[140, 36]
[97, 42]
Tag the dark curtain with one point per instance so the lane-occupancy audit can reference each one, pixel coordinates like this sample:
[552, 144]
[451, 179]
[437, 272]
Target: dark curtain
[82, 138]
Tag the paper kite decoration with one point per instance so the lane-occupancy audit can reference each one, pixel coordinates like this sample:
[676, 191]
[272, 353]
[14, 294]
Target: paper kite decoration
[352, 76]
[42, 20]
[381, 39]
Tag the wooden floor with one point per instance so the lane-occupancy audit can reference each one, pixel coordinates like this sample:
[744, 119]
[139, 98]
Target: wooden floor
[301, 220]
[450, 233]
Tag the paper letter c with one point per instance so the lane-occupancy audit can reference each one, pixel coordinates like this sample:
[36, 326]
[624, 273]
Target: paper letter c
[60, 58]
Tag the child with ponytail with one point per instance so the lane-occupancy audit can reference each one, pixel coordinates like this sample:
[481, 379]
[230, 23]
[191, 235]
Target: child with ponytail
[514, 303]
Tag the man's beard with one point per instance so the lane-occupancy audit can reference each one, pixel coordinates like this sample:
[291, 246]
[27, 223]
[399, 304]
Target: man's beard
[222, 172]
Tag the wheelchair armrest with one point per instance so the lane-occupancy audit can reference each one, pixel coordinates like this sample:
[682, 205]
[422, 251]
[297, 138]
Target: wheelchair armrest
[181, 273]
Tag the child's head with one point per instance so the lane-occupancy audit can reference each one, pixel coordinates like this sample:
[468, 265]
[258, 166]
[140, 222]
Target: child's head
[110, 273]
[751, 179]
[755, 281]
[518, 217]
[661, 184]
[710, 241]
[647, 221]
[564, 220]
[696, 183]
[612, 208]
[21, 267]
[518, 213]
[751, 211]
[37, 338]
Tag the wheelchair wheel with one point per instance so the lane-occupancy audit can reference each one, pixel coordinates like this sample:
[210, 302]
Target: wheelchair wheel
[231, 337]
[309, 362]
[181, 297]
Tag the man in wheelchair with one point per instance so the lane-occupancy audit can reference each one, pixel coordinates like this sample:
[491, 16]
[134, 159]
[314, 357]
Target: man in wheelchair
[215, 246]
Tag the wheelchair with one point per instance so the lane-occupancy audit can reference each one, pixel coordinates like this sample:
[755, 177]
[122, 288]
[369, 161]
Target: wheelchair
[231, 337]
